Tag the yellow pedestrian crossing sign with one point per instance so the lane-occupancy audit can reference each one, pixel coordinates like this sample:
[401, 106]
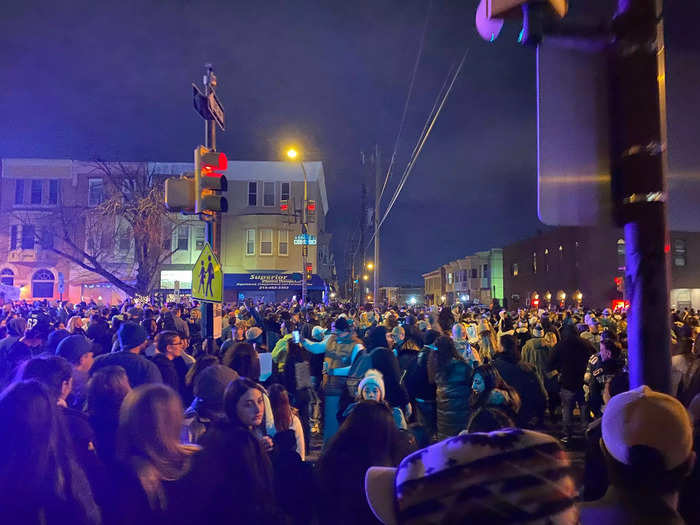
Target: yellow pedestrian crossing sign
[207, 277]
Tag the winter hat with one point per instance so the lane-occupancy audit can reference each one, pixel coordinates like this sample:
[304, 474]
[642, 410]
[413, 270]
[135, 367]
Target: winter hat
[606, 312]
[55, 337]
[430, 337]
[16, 327]
[399, 333]
[507, 476]
[537, 331]
[634, 418]
[131, 335]
[73, 347]
[422, 325]
[372, 377]
[211, 384]
[341, 325]
[253, 333]
[317, 333]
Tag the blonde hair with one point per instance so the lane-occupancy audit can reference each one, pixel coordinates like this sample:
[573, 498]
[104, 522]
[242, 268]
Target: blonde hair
[74, 322]
[148, 439]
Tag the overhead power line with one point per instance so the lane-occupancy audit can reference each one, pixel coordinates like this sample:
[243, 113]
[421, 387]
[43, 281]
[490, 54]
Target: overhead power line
[419, 146]
[408, 100]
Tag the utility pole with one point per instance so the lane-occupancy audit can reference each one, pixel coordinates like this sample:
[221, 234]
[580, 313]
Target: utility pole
[377, 207]
[304, 232]
[361, 248]
[639, 165]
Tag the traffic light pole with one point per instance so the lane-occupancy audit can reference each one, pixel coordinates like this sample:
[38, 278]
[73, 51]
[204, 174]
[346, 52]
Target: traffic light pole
[304, 231]
[377, 203]
[639, 165]
[213, 225]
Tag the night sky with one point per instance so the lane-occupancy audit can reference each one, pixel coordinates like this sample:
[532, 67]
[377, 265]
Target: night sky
[111, 80]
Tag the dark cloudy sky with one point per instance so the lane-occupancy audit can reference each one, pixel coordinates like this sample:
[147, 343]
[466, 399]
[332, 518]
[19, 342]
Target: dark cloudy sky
[111, 79]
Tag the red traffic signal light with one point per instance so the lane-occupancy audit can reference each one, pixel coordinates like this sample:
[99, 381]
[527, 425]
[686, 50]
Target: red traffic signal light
[311, 205]
[284, 205]
[210, 183]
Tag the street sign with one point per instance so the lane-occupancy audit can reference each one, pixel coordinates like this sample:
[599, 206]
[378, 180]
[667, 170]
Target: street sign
[216, 110]
[207, 277]
[208, 106]
[305, 239]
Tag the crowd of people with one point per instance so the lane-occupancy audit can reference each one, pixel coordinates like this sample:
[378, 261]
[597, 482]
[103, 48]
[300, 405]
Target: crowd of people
[126, 414]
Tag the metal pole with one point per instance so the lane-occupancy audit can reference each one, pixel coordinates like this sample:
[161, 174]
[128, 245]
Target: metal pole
[639, 145]
[304, 231]
[207, 309]
[377, 207]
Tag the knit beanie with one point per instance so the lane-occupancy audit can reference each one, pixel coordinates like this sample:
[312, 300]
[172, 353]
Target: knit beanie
[372, 377]
[507, 476]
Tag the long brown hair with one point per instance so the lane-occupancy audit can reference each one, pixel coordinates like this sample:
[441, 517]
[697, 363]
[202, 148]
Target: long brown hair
[282, 411]
[148, 438]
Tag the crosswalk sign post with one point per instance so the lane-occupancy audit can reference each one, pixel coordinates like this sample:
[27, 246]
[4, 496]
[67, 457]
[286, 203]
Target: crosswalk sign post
[207, 277]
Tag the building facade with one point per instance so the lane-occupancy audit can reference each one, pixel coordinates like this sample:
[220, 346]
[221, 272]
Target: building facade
[472, 279]
[571, 265]
[258, 253]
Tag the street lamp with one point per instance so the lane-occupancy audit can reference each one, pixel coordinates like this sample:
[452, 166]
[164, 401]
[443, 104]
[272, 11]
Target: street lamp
[370, 265]
[365, 277]
[292, 154]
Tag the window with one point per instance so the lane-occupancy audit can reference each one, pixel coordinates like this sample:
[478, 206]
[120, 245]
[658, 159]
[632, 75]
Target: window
[199, 237]
[90, 244]
[679, 252]
[283, 241]
[265, 242]
[534, 262]
[19, 191]
[7, 277]
[449, 278]
[28, 233]
[183, 237]
[167, 243]
[546, 259]
[36, 191]
[13, 237]
[284, 191]
[474, 273]
[561, 252]
[514, 269]
[268, 193]
[486, 270]
[252, 194]
[250, 242]
[46, 238]
[95, 192]
[125, 241]
[53, 191]
[42, 284]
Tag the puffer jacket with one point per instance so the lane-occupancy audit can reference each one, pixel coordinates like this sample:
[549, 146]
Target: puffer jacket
[453, 384]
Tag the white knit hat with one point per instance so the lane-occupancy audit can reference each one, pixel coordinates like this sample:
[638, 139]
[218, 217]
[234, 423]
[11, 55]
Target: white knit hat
[372, 377]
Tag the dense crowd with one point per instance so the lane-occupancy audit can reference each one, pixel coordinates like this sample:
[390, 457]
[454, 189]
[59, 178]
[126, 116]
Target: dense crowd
[125, 415]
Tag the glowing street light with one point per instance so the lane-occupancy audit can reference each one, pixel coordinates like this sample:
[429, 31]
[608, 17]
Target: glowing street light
[370, 265]
[412, 300]
[365, 277]
[292, 153]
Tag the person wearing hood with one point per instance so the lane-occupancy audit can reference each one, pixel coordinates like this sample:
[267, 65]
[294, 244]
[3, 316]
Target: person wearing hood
[487, 340]
[341, 349]
[15, 330]
[255, 337]
[420, 389]
[460, 338]
[372, 388]
[208, 404]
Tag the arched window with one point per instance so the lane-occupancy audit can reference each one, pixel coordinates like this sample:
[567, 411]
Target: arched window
[7, 277]
[42, 284]
[621, 247]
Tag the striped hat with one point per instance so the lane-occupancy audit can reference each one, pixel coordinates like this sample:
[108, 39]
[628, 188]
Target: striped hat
[503, 477]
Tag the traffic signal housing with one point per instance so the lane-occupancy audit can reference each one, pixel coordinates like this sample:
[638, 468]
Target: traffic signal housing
[535, 14]
[310, 211]
[209, 181]
[179, 194]
[309, 272]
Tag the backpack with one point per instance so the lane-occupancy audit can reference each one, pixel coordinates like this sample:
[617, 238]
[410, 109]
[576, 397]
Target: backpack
[359, 367]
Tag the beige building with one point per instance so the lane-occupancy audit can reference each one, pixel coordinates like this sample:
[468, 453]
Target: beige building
[258, 253]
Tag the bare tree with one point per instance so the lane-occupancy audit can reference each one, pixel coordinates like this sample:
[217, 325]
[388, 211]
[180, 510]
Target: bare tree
[125, 239]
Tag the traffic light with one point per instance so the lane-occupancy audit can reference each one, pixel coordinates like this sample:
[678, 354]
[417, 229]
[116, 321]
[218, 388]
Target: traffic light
[310, 211]
[309, 271]
[535, 14]
[284, 206]
[209, 181]
[179, 194]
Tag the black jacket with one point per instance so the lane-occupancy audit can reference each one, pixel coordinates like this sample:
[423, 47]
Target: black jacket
[385, 361]
[139, 370]
[570, 358]
[524, 379]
